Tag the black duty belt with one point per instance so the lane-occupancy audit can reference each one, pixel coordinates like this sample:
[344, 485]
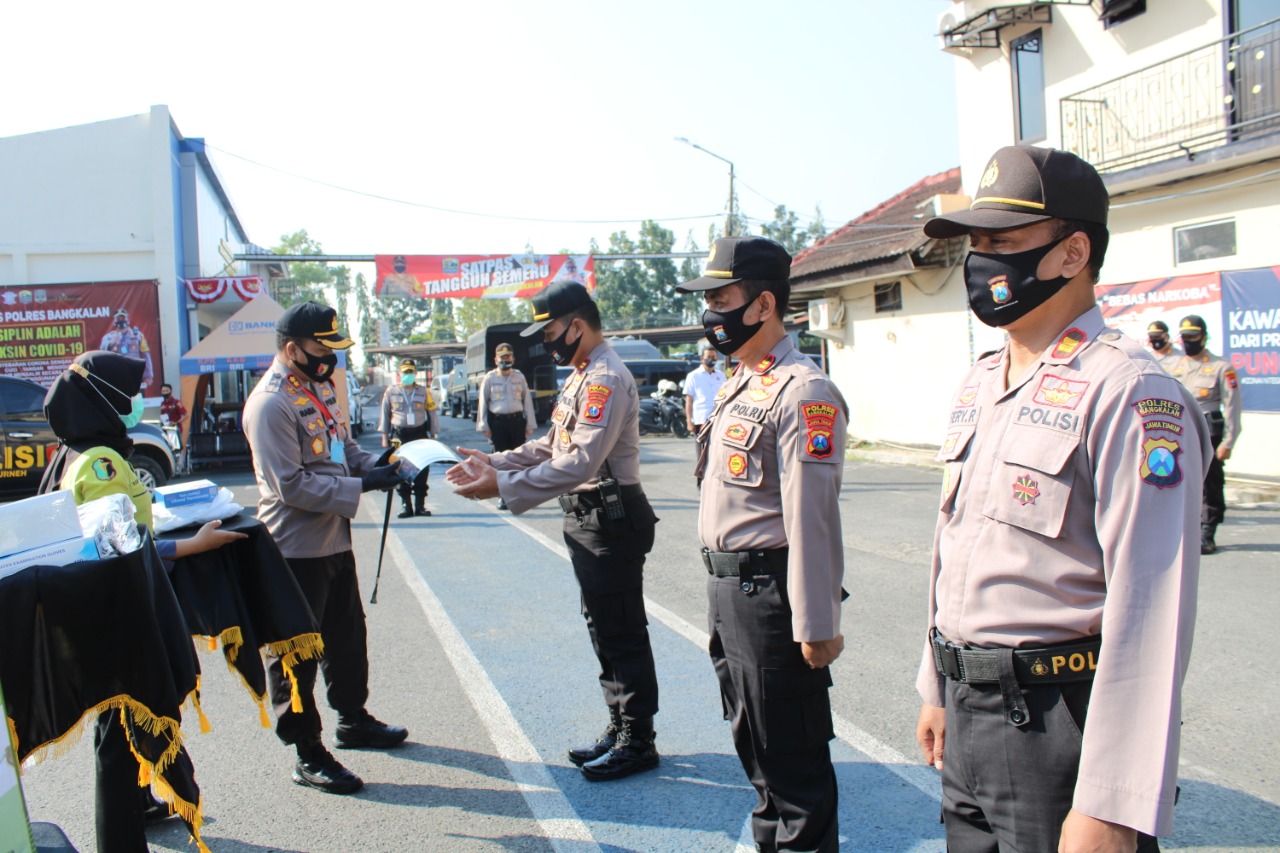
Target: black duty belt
[505, 416]
[1049, 665]
[581, 503]
[732, 564]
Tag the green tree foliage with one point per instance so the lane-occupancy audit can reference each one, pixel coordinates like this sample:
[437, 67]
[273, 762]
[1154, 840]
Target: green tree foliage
[306, 280]
[785, 229]
[640, 294]
[472, 315]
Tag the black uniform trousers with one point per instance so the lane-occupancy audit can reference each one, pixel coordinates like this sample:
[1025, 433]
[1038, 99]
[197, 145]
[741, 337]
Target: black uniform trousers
[407, 434]
[506, 431]
[1214, 507]
[118, 819]
[1008, 788]
[331, 588]
[780, 710]
[608, 561]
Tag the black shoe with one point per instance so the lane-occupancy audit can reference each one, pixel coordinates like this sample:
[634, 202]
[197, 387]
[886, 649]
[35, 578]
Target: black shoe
[633, 753]
[421, 509]
[579, 756]
[1207, 532]
[407, 512]
[502, 505]
[321, 771]
[366, 731]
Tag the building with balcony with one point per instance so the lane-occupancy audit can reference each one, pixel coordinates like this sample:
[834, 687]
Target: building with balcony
[117, 214]
[1177, 104]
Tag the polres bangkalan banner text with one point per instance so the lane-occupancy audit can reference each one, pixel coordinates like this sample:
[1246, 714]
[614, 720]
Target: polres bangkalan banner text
[43, 327]
[478, 276]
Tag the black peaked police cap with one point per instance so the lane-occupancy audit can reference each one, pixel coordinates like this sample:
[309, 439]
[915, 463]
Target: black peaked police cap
[1024, 184]
[315, 321]
[554, 301]
[735, 258]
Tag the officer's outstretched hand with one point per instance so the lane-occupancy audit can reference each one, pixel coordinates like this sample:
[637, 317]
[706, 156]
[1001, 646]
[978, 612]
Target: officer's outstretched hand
[474, 477]
[821, 653]
[931, 733]
[382, 478]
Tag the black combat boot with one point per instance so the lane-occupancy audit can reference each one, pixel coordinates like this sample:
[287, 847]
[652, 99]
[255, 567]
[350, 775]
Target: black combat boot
[1207, 532]
[634, 752]
[582, 754]
[407, 512]
[421, 508]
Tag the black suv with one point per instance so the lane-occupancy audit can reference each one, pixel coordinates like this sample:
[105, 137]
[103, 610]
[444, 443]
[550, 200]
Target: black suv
[27, 442]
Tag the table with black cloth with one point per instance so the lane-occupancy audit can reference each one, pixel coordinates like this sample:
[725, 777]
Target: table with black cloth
[99, 637]
[244, 595]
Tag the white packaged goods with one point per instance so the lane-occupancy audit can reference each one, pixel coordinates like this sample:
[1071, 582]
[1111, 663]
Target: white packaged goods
[168, 518]
[36, 522]
[195, 492]
[57, 554]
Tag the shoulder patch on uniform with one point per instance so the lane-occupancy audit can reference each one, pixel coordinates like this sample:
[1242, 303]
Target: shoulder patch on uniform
[1060, 393]
[104, 469]
[1160, 466]
[1158, 406]
[274, 381]
[597, 403]
[1232, 381]
[819, 428]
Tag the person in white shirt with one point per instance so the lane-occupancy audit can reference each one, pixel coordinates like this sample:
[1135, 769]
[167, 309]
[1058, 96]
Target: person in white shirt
[700, 389]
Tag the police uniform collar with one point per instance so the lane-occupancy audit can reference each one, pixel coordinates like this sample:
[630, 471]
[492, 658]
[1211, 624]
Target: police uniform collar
[1069, 343]
[780, 351]
[600, 350]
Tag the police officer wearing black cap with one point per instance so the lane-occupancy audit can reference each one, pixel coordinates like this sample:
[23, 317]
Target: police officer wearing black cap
[771, 459]
[1213, 382]
[1161, 347]
[590, 460]
[311, 473]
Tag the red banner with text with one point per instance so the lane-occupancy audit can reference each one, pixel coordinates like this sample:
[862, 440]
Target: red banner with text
[44, 327]
[478, 276]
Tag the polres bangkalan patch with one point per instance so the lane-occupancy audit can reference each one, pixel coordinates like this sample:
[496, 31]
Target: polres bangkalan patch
[1160, 465]
[597, 401]
[819, 429]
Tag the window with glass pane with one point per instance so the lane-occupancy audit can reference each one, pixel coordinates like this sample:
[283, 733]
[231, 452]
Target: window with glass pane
[889, 297]
[1028, 87]
[1204, 241]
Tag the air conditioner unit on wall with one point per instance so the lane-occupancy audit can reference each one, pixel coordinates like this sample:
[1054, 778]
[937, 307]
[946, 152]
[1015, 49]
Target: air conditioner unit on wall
[826, 318]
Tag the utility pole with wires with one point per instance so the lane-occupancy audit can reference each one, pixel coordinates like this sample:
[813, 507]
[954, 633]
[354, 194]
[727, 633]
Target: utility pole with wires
[728, 230]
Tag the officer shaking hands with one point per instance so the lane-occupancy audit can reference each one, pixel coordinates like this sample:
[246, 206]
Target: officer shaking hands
[1065, 560]
[1213, 382]
[590, 461]
[771, 460]
[310, 474]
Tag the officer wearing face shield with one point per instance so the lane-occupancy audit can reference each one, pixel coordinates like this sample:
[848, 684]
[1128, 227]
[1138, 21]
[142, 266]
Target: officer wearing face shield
[1065, 560]
[771, 461]
[590, 461]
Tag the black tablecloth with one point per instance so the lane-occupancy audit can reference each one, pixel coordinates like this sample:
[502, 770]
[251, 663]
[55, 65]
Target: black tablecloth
[244, 595]
[101, 636]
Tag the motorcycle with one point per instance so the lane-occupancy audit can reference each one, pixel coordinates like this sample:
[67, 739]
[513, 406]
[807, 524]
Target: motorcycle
[662, 411]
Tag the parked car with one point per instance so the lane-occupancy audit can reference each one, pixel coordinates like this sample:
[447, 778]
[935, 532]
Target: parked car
[27, 442]
[649, 372]
[440, 390]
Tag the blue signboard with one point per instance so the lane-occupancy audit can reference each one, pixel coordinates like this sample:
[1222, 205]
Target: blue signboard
[1251, 315]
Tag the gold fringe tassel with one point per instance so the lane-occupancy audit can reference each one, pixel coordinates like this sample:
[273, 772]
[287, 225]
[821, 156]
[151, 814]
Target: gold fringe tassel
[292, 652]
[205, 725]
[262, 714]
[13, 739]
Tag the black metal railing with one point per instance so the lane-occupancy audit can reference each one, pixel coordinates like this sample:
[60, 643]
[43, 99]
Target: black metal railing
[1224, 92]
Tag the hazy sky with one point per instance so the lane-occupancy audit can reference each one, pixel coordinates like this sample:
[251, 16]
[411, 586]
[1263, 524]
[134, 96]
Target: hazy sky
[561, 109]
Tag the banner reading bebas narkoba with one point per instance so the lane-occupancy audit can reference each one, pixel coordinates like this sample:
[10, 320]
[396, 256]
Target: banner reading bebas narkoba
[479, 276]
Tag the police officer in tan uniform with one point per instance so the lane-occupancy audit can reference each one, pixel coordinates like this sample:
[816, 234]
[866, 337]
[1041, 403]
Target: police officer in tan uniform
[590, 461]
[1065, 561]
[505, 411]
[1161, 347]
[1213, 382]
[311, 473]
[771, 459]
[408, 414]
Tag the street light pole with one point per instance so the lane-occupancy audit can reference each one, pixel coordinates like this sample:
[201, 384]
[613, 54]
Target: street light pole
[728, 231]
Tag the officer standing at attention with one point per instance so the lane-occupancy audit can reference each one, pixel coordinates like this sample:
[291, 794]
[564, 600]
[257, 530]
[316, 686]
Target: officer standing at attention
[1064, 561]
[310, 474]
[408, 414]
[771, 457]
[505, 411]
[1212, 381]
[1164, 351]
[590, 460]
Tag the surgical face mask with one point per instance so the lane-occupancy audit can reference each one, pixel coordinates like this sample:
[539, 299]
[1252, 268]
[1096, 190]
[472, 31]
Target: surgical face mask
[134, 417]
[709, 362]
[1158, 342]
[505, 364]
[136, 405]
[726, 330]
[318, 368]
[407, 380]
[560, 350]
[1004, 288]
[1191, 347]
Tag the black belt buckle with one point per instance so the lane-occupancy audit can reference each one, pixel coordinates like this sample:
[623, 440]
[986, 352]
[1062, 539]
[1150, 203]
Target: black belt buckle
[947, 656]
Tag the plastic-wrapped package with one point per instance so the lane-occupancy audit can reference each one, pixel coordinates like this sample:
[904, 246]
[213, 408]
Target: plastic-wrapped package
[110, 524]
[166, 518]
[417, 455]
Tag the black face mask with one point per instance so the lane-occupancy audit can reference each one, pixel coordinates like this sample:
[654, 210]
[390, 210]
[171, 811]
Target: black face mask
[1158, 343]
[726, 331]
[1193, 348]
[560, 350]
[709, 362]
[120, 324]
[505, 365]
[318, 368]
[1004, 288]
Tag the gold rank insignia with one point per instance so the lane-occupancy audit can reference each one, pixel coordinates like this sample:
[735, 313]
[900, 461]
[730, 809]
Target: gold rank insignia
[317, 446]
[1039, 669]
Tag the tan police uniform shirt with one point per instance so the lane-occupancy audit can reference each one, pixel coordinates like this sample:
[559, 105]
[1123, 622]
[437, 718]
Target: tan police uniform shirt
[774, 464]
[504, 395]
[1071, 509]
[407, 407]
[595, 421]
[1171, 356]
[305, 498]
[1214, 384]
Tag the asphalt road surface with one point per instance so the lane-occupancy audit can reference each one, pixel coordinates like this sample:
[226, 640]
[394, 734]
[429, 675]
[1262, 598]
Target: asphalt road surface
[477, 645]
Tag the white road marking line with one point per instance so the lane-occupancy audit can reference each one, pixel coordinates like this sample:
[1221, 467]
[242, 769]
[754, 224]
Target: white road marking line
[560, 823]
[921, 777]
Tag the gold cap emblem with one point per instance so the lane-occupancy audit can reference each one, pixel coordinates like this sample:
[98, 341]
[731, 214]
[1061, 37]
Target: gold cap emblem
[989, 177]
